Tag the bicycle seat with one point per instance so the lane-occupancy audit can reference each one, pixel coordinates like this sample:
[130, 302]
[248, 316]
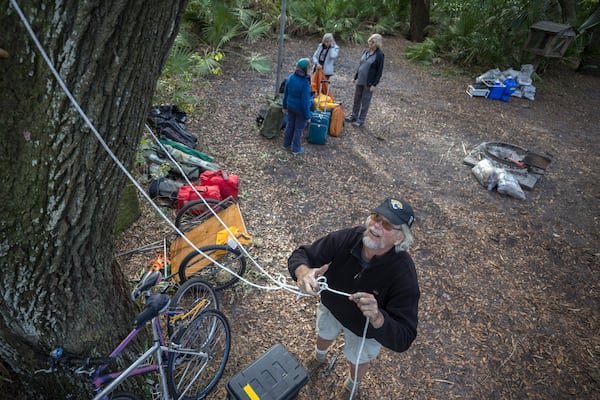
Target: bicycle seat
[149, 280]
[155, 304]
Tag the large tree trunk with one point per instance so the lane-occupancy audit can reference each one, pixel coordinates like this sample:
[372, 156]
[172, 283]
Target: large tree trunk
[419, 20]
[60, 189]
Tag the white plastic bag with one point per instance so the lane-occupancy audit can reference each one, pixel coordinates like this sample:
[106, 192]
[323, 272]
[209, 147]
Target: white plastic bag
[508, 184]
[486, 173]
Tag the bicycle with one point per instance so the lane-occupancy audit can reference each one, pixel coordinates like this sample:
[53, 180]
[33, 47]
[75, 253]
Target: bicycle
[188, 366]
[188, 298]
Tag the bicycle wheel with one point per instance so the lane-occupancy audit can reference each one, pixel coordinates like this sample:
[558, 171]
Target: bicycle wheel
[196, 265]
[200, 352]
[195, 212]
[192, 297]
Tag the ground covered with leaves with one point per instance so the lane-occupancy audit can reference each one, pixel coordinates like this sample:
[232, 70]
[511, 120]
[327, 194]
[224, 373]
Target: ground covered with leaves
[510, 297]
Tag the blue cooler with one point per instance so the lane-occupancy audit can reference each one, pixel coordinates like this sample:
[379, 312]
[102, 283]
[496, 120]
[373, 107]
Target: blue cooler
[497, 90]
[510, 87]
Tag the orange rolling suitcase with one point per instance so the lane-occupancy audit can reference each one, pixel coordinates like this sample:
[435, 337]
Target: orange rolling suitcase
[336, 122]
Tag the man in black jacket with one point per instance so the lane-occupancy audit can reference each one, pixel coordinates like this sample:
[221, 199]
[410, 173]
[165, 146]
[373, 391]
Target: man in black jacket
[376, 284]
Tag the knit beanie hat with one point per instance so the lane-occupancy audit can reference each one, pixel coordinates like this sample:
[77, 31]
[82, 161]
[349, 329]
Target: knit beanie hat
[303, 64]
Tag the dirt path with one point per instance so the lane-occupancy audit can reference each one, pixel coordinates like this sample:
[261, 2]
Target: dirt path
[510, 298]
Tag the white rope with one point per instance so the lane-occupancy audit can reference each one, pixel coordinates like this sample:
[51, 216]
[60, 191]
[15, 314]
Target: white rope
[280, 281]
[128, 175]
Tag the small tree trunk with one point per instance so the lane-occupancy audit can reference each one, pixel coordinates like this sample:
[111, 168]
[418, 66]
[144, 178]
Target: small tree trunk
[568, 10]
[60, 189]
[419, 20]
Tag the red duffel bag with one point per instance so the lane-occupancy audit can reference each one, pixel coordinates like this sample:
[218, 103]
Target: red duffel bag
[228, 184]
[186, 193]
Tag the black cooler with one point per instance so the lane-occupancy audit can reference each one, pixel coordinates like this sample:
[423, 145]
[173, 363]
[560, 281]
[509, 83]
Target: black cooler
[276, 375]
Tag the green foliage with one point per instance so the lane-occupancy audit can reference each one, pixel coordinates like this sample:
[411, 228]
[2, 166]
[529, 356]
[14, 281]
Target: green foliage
[258, 63]
[208, 26]
[348, 20]
[593, 20]
[220, 21]
[424, 52]
[491, 33]
[255, 30]
[184, 66]
[488, 33]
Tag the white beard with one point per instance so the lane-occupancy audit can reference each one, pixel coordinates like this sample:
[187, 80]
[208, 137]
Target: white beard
[371, 244]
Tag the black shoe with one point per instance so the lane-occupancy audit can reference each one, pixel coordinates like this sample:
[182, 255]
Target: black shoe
[357, 124]
[350, 119]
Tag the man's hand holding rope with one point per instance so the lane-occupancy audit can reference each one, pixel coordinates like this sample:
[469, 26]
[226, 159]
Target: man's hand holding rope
[369, 307]
[309, 283]
[307, 278]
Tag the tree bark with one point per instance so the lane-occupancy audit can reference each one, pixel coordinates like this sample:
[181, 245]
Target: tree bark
[568, 10]
[60, 189]
[419, 20]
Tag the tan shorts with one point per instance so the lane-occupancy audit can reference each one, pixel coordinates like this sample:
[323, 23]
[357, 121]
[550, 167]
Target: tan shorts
[329, 328]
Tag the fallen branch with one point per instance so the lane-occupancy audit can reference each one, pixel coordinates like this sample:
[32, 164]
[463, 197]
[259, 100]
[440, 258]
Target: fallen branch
[511, 353]
[443, 381]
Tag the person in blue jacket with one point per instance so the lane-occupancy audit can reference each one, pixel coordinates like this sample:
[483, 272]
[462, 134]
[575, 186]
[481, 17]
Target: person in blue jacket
[376, 283]
[296, 105]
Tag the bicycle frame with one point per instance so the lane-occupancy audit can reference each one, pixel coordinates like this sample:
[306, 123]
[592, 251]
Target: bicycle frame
[158, 350]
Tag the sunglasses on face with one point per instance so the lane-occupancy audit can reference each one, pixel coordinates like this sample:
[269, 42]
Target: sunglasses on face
[384, 223]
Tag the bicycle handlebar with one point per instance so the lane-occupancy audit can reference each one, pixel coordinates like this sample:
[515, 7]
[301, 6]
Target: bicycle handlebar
[60, 360]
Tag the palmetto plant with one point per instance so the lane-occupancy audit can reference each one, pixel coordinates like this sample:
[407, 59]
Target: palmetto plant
[486, 32]
[199, 48]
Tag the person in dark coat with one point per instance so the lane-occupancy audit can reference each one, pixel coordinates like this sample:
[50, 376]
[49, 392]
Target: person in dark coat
[296, 105]
[366, 80]
[377, 288]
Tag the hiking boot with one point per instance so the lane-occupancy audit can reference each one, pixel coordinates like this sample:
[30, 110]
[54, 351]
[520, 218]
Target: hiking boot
[350, 119]
[299, 151]
[344, 391]
[357, 124]
[314, 366]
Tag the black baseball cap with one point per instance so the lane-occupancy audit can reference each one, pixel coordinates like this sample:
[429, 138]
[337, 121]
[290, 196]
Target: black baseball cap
[397, 211]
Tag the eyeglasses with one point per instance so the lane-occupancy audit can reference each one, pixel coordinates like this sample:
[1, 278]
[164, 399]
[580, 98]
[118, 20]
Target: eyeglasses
[384, 223]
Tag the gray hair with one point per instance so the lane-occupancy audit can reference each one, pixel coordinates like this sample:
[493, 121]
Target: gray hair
[376, 37]
[408, 238]
[329, 36]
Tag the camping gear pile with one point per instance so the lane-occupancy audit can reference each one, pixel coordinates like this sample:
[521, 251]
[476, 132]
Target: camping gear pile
[327, 117]
[502, 85]
[325, 108]
[507, 167]
[168, 178]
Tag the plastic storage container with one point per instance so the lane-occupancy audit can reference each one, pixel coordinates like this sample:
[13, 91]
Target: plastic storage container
[497, 90]
[478, 90]
[276, 375]
[511, 87]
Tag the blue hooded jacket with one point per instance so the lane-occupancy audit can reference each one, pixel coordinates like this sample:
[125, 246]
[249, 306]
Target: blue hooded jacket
[297, 92]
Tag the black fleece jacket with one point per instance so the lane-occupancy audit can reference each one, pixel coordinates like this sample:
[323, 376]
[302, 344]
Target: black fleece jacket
[392, 278]
[375, 70]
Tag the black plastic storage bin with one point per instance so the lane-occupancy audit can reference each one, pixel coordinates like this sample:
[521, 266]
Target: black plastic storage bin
[276, 375]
